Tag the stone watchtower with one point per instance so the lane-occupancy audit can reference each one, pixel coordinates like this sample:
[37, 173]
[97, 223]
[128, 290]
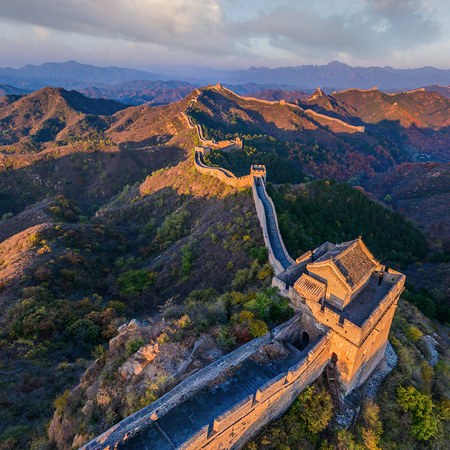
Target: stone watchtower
[343, 287]
[238, 143]
[258, 170]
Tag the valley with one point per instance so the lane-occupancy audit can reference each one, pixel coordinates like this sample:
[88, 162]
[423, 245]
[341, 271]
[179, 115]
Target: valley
[106, 220]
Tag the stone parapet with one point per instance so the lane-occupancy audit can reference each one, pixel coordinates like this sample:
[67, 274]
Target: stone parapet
[220, 173]
[140, 419]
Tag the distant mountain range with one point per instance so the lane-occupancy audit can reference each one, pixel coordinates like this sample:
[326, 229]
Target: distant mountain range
[337, 75]
[332, 76]
[6, 89]
[70, 75]
[142, 92]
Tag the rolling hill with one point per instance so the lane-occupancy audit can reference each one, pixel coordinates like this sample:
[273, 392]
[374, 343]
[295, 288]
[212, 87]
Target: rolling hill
[142, 92]
[52, 114]
[104, 219]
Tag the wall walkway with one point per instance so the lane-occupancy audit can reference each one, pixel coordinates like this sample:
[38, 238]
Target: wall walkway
[227, 413]
[278, 255]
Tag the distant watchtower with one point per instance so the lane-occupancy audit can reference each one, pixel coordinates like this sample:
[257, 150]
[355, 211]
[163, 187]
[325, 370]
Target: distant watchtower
[238, 143]
[258, 170]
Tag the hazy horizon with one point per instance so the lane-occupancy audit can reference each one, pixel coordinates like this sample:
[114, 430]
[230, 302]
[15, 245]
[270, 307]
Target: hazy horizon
[160, 67]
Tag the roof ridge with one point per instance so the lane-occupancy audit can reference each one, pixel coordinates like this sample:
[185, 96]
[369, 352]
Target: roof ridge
[351, 246]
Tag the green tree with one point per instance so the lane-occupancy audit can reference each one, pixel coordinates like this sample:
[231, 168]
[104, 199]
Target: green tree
[424, 423]
[314, 409]
[258, 328]
[135, 281]
[84, 331]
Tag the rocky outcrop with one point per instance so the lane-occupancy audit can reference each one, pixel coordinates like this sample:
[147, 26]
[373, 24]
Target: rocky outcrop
[116, 385]
[141, 359]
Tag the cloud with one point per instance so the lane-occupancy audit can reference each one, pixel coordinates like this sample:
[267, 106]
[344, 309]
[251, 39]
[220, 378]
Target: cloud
[188, 25]
[376, 27]
[235, 32]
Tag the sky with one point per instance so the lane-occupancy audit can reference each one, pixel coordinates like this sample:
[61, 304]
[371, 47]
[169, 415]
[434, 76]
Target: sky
[226, 34]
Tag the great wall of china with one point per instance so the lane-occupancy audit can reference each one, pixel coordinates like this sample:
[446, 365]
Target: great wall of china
[344, 302]
[309, 112]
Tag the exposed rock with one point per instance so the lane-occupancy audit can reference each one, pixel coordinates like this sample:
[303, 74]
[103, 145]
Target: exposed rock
[134, 330]
[91, 391]
[345, 418]
[88, 407]
[139, 360]
[61, 431]
[432, 348]
[204, 350]
[274, 350]
[79, 440]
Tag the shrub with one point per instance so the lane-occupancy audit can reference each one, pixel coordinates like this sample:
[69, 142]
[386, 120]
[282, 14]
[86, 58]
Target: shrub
[258, 328]
[187, 258]
[99, 352]
[413, 333]
[171, 229]
[33, 239]
[225, 338]
[260, 254]
[117, 306]
[44, 249]
[184, 321]
[308, 416]
[83, 331]
[163, 338]
[153, 391]
[424, 424]
[60, 402]
[315, 409]
[135, 281]
[133, 346]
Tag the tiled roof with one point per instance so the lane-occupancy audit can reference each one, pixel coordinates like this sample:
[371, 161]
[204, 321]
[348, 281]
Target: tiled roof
[355, 265]
[335, 251]
[310, 287]
[352, 260]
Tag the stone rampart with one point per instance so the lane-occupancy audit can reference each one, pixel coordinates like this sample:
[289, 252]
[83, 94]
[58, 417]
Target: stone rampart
[310, 112]
[276, 223]
[347, 126]
[330, 332]
[139, 420]
[275, 263]
[278, 395]
[222, 174]
[282, 287]
[228, 418]
[197, 440]
[236, 425]
[277, 266]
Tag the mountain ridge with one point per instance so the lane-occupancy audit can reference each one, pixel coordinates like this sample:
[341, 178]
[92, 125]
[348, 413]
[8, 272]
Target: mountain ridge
[334, 75]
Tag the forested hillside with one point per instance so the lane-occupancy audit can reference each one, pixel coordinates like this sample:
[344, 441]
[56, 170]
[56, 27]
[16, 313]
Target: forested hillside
[104, 220]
